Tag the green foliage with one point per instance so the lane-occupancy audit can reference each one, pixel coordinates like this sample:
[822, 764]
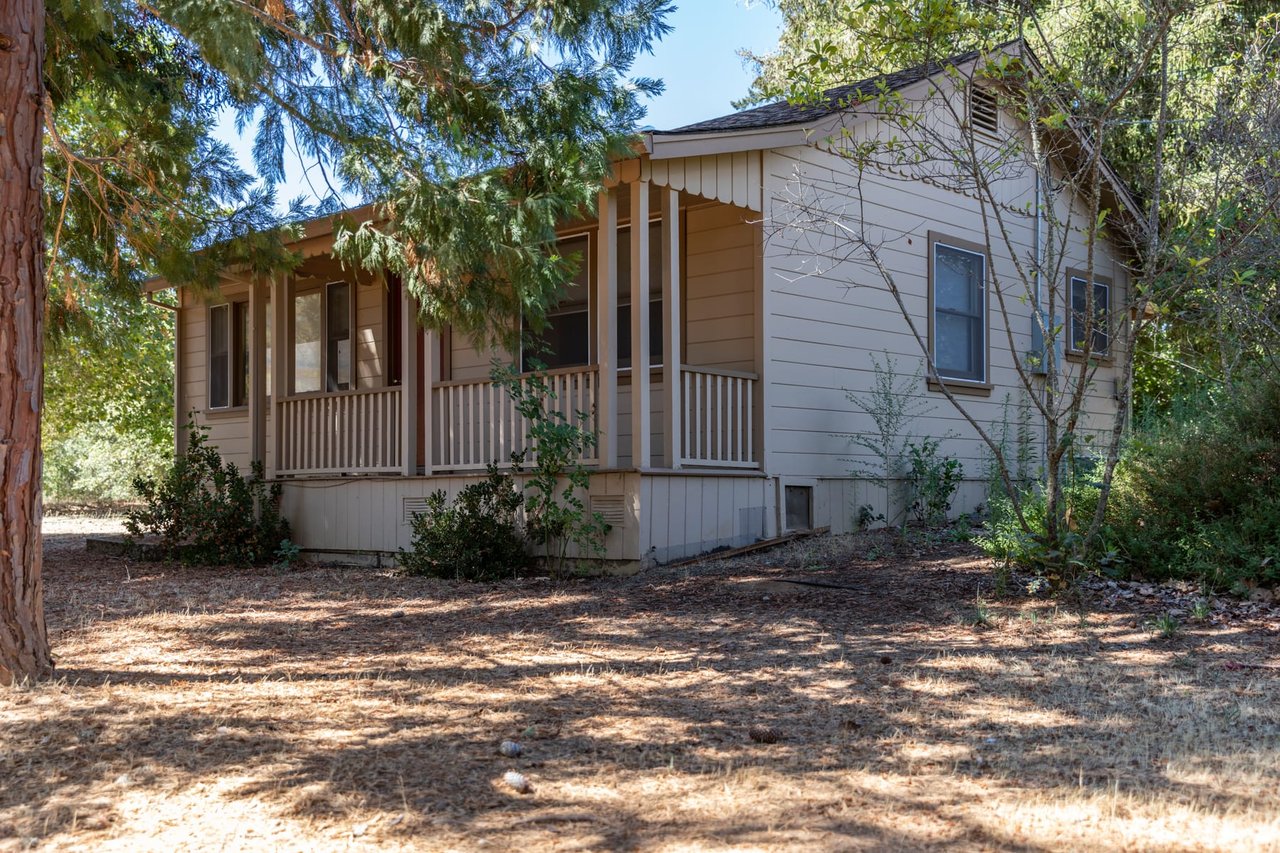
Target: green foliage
[476, 538]
[892, 403]
[1198, 493]
[205, 512]
[98, 464]
[1059, 562]
[556, 516]
[932, 481]
[286, 555]
[1165, 626]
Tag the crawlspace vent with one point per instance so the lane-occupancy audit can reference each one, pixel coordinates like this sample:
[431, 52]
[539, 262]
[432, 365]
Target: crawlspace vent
[612, 508]
[413, 505]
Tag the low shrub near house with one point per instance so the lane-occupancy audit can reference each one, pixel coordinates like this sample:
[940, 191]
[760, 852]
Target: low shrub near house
[477, 537]
[207, 512]
[1198, 492]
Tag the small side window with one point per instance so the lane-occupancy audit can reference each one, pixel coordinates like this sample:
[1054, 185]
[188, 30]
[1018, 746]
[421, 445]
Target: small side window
[1099, 331]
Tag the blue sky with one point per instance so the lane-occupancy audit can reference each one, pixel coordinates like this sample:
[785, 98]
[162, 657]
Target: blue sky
[698, 61]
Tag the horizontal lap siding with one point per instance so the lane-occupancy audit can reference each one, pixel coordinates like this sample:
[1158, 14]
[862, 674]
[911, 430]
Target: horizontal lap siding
[826, 317]
[371, 339]
[228, 432]
[719, 303]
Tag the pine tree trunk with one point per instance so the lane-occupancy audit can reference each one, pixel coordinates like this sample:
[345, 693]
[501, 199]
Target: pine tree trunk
[24, 641]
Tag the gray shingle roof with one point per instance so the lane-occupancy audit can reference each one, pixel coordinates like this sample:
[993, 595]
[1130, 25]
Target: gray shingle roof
[782, 113]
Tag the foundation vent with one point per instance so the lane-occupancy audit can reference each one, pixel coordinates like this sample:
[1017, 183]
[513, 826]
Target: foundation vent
[413, 505]
[612, 508]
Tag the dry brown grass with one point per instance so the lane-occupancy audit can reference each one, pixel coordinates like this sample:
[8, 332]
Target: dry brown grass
[327, 708]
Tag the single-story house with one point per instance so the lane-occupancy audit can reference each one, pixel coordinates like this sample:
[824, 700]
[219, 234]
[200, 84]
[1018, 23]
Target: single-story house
[730, 421]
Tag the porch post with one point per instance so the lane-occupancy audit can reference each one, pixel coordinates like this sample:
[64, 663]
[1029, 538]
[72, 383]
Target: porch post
[258, 371]
[607, 328]
[280, 358]
[673, 401]
[410, 386]
[430, 344]
[179, 368]
[641, 421]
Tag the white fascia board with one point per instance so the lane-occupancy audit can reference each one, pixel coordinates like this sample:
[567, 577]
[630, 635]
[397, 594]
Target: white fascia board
[672, 146]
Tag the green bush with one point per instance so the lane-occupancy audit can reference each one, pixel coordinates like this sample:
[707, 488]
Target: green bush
[1198, 493]
[932, 481]
[206, 512]
[1004, 539]
[98, 464]
[476, 538]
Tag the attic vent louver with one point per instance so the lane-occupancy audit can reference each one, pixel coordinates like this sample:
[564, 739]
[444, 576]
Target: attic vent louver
[984, 110]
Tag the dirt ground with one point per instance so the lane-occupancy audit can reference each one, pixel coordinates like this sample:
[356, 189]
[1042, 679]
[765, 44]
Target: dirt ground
[328, 709]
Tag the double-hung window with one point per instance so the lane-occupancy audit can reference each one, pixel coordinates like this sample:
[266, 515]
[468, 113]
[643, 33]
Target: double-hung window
[323, 358]
[1098, 330]
[229, 355]
[958, 309]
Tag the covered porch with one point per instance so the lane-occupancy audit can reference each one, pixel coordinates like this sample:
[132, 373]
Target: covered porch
[388, 398]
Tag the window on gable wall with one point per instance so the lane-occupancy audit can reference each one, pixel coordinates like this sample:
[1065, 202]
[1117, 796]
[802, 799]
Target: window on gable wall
[958, 305]
[1101, 345]
[229, 355]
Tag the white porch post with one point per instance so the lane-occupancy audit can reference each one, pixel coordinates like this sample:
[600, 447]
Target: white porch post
[410, 386]
[607, 328]
[429, 345]
[281, 355]
[673, 412]
[641, 422]
[258, 371]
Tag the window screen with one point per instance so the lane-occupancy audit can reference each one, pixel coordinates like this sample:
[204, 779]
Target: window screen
[1079, 309]
[219, 356]
[959, 313]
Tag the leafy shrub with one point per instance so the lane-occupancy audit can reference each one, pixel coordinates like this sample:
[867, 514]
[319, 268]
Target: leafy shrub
[475, 538]
[96, 463]
[1198, 493]
[206, 512]
[1005, 540]
[555, 514]
[932, 480]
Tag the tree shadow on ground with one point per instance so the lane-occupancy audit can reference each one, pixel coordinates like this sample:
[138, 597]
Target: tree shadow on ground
[341, 698]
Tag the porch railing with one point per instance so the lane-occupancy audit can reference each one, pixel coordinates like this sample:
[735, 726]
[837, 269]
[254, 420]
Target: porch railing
[474, 422]
[718, 424]
[348, 432]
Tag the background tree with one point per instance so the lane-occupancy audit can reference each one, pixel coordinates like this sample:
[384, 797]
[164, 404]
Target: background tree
[472, 127]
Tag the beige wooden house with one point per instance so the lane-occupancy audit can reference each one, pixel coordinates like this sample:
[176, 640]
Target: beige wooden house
[729, 422]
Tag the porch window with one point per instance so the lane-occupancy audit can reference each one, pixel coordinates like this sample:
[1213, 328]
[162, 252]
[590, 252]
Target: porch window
[1101, 344]
[655, 295]
[229, 355]
[565, 341]
[322, 344]
[958, 310]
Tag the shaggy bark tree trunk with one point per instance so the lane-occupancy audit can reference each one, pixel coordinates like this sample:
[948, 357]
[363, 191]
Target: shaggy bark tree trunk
[24, 641]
